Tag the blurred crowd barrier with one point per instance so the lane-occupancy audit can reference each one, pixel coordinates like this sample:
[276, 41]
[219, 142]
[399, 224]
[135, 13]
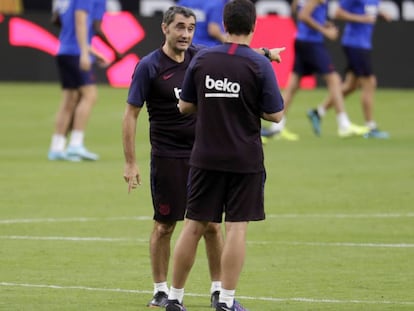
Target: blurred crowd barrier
[28, 44]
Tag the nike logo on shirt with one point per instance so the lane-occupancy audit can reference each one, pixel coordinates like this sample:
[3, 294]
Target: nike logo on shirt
[166, 77]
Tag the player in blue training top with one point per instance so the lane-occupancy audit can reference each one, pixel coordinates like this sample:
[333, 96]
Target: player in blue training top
[360, 17]
[79, 21]
[209, 26]
[232, 88]
[312, 57]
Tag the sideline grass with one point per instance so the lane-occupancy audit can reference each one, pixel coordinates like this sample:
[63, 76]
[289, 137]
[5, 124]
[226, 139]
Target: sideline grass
[339, 233]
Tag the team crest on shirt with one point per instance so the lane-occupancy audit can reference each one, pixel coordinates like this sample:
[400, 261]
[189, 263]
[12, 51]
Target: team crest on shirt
[222, 88]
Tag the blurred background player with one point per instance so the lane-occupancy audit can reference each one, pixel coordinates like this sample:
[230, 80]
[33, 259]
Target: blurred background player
[360, 17]
[209, 27]
[312, 57]
[227, 172]
[79, 22]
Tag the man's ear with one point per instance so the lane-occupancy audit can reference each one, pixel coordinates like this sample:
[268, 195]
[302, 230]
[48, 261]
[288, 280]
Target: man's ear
[164, 28]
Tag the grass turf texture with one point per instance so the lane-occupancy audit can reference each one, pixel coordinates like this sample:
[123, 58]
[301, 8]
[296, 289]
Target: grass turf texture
[339, 232]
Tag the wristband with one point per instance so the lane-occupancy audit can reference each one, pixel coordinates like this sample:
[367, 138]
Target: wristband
[267, 53]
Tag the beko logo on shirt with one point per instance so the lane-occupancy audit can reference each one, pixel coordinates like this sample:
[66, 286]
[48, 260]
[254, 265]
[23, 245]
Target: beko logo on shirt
[227, 88]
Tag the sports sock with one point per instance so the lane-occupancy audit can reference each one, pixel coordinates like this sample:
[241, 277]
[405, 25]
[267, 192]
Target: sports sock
[215, 286]
[176, 294]
[76, 138]
[58, 143]
[343, 120]
[371, 125]
[227, 296]
[278, 127]
[161, 287]
[321, 111]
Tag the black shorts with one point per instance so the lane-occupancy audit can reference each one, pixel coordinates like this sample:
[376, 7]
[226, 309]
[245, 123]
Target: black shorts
[211, 193]
[71, 76]
[169, 188]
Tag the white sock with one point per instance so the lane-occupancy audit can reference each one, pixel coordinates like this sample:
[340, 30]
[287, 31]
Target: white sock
[58, 143]
[278, 127]
[176, 294]
[371, 125]
[161, 287]
[76, 138]
[343, 120]
[321, 111]
[227, 296]
[215, 286]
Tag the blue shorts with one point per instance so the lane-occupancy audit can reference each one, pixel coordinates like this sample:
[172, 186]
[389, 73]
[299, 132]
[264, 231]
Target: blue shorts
[312, 58]
[359, 61]
[71, 76]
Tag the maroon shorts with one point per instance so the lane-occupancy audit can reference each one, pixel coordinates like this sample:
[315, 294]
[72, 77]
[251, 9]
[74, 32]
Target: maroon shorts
[211, 193]
[169, 188]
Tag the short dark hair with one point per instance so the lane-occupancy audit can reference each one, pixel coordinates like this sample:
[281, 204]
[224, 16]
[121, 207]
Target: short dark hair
[169, 15]
[239, 17]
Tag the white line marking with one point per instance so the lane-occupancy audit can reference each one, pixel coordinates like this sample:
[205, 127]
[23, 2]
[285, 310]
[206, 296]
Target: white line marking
[145, 218]
[103, 239]
[69, 238]
[378, 215]
[74, 219]
[294, 299]
[342, 244]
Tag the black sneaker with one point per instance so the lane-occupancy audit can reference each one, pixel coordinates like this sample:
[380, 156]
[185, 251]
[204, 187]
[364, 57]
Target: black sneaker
[174, 305]
[159, 300]
[214, 299]
[236, 307]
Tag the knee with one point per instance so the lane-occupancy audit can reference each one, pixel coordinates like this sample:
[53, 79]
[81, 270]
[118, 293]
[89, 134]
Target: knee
[212, 229]
[164, 229]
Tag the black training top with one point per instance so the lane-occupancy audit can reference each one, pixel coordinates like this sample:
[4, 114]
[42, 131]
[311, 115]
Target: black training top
[232, 86]
[157, 81]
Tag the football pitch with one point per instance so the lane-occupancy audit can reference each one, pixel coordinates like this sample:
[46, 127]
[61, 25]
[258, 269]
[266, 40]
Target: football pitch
[339, 233]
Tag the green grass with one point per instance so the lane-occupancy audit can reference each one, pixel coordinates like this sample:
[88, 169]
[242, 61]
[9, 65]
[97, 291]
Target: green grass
[339, 233]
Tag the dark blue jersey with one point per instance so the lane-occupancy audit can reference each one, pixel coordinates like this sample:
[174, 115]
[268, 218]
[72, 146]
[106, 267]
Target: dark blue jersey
[157, 81]
[232, 86]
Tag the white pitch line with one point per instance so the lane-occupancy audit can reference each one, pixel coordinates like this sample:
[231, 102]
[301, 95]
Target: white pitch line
[274, 299]
[69, 238]
[73, 219]
[340, 216]
[295, 243]
[145, 218]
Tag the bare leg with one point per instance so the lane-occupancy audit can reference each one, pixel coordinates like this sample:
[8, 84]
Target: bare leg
[333, 82]
[160, 249]
[213, 237]
[185, 251]
[66, 110]
[368, 87]
[291, 89]
[84, 108]
[234, 252]
[348, 86]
